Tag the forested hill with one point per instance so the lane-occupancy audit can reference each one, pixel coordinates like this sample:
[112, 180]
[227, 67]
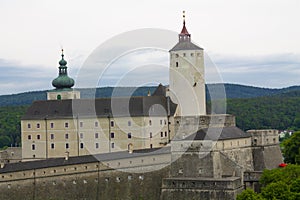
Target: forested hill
[214, 90]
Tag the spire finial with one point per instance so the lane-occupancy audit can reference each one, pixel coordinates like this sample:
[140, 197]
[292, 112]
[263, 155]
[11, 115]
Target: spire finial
[183, 15]
[62, 52]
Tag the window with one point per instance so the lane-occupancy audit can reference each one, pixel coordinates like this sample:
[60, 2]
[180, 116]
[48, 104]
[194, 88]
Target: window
[97, 145]
[161, 134]
[51, 136]
[96, 124]
[176, 64]
[29, 137]
[51, 125]
[176, 55]
[184, 54]
[165, 122]
[33, 147]
[161, 122]
[112, 145]
[112, 135]
[150, 122]
[166, 133]
[67, 145]
[66, 125]
[96, 135]
[112, 123]
[28, 125]
[150, 134]
[129, 123]
[38, 125]
[192, 54]
[59, 97]
[38, 137]
[81, 145]
[151, 146]
[52, 145]
[198, 54]
[81, 124]
[66, 136]
[81, 135]
[129, 135]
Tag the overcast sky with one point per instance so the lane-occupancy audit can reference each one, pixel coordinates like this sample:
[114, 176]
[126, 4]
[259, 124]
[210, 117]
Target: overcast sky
[252, 42]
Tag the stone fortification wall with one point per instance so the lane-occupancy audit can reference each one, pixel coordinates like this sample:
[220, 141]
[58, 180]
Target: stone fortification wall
[132, 178]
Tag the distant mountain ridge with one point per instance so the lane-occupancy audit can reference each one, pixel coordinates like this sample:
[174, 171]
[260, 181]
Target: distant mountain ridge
[233, 91]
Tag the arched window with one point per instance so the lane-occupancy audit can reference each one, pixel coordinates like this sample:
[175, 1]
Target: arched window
[58, 97]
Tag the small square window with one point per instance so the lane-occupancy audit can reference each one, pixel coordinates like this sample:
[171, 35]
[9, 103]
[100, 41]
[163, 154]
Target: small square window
[66, 125]
[161, 122]
[150, 134]
[81, 124]
[129, 135]
[29, 137]
[184, 54]
[97, 145]
[33, 147]
[129, 123]
[81, 145]
[51, 125]
[52, 145]
[112, 145]
[112, 123]
[96, 135]
[96, 124]
[192, 54]
[38, 125]
[161, 134]
[52, 136]
[112, 135]
[67, 145]
[66, 136]
[28, 125]
[38, 137]
[81, 135]
[166, 134]
[177, 64]
[150, 122]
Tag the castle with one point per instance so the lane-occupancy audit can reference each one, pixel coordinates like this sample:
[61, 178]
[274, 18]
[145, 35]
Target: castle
[131, 148]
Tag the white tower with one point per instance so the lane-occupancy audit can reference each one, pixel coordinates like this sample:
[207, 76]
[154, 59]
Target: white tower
[187, 82]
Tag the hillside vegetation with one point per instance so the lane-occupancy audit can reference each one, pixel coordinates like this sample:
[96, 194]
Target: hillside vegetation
[212, 90]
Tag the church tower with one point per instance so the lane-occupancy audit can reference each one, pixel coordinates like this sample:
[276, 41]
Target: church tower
[186, 81]
[63, 84]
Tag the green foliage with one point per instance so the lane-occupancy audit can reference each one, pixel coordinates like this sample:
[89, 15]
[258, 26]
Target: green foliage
[10, 125]
[277, 184]
[249, 195]
[291, 150]
[277, 190]
[265, 112]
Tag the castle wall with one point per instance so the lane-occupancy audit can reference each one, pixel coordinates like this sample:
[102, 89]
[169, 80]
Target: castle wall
[48, 138]
[132, 178]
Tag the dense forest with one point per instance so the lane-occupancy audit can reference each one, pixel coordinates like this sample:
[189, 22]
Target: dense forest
[212, 90]
[276, 108]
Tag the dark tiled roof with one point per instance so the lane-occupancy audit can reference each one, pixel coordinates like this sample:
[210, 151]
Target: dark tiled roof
[160, 91]
[54, 162]
[185, 46]
[104, 107]
[225, 133]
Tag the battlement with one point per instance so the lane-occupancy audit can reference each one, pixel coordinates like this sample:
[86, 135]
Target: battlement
[264, 137]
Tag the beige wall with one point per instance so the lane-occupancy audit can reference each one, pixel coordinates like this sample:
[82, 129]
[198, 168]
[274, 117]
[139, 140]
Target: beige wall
[92, 135]
[72, 94]
[187, 82]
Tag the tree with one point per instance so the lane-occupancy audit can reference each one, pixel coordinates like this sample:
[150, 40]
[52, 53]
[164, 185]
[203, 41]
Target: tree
[249, 195]
[291, 149]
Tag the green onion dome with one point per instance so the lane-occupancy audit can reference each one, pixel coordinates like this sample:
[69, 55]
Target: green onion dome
[63, 81]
